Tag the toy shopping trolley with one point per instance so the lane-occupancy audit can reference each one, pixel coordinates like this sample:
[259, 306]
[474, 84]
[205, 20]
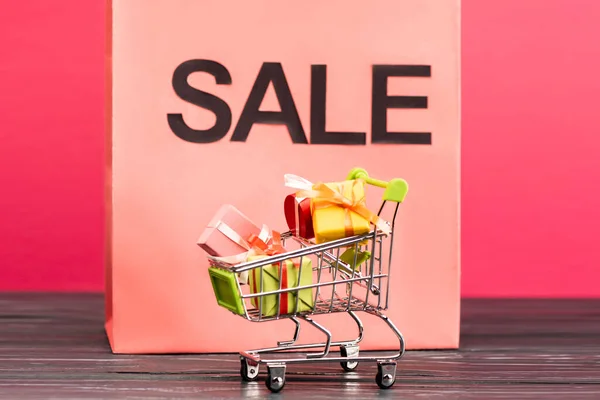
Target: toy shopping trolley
[345, 268]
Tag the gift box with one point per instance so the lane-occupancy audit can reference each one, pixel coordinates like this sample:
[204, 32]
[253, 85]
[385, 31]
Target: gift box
[355, 258]
[289, 278]
[335, 220]
[298, 216]
[228, 233]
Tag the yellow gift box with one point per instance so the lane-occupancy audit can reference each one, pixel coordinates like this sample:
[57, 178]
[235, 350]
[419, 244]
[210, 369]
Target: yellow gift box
[331, 220]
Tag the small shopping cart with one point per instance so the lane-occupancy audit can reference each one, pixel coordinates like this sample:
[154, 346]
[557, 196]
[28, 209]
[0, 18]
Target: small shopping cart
[347, 275]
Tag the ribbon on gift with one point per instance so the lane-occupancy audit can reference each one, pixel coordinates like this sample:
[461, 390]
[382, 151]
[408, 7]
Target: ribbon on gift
[297, 182]
[267, 242]
[328, 197]
[268, 247]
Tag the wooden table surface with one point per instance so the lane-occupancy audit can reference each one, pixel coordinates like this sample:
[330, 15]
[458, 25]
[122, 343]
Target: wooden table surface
[53, 346]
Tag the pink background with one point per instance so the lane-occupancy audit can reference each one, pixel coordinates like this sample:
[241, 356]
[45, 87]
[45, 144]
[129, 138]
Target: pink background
[530, 149]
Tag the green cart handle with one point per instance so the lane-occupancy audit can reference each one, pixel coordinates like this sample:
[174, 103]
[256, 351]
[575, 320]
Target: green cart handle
[395, 190]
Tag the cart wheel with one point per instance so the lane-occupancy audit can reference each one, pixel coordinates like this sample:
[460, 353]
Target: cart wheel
[275, 378]
[248, 370]
[349, 351]
[386, 374]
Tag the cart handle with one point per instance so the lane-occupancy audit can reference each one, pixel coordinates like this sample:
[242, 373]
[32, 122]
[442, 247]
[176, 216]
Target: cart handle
[395, 189]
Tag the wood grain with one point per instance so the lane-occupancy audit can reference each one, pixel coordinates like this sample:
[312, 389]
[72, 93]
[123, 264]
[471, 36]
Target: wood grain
[53, 346]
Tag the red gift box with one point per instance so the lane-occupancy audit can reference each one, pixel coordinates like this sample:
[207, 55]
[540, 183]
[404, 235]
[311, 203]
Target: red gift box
[298, 216]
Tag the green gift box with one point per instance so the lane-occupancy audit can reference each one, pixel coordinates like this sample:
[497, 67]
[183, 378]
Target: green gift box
[270, 279]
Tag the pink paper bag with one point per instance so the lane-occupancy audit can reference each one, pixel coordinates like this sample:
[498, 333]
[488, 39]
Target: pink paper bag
[211, 102]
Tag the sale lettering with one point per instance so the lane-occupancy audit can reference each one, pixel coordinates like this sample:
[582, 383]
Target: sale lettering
[272, 73]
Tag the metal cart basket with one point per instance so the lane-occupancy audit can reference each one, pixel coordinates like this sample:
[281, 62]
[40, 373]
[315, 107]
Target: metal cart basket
[346, 275]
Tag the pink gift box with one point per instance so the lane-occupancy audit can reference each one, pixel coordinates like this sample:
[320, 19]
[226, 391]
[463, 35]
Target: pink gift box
[224, 233]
